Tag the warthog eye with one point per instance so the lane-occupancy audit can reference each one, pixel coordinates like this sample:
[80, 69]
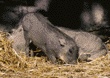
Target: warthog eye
[70, 50]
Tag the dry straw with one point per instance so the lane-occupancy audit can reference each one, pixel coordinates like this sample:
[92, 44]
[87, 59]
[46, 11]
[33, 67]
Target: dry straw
[14, 65]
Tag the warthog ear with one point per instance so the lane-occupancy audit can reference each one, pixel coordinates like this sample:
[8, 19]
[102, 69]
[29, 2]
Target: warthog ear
[62, 42]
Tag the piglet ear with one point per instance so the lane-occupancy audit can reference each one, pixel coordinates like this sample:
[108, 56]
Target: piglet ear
[62, 42]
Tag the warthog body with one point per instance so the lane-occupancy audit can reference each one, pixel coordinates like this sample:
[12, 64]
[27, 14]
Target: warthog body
[89, 45]
[51, 40]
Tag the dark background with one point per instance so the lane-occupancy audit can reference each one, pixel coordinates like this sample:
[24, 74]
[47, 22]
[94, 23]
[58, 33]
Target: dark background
[61, 12]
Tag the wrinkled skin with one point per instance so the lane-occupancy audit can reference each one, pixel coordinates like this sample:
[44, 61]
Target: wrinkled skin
[89, 45]
[51, 40]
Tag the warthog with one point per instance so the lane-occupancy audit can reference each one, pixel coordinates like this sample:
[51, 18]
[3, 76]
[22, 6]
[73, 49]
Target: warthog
[89, 44]
[50, 39]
